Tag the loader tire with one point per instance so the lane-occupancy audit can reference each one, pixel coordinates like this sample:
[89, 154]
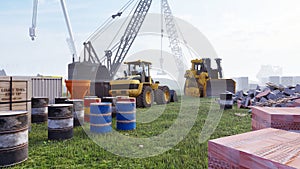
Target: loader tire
[166, 92]
[159, 97]
[146, 98]
[174, 97]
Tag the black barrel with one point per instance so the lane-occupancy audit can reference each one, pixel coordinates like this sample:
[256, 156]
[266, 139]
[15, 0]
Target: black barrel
[226, 101]
[39, 109]
[60, 100]
[13, 137]
[60, 121]
[78, 111]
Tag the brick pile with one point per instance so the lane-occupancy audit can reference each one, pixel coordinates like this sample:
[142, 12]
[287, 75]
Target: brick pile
[271, 96]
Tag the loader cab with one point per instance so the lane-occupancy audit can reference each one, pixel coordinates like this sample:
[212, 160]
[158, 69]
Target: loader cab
[198, 66]
[139, 70]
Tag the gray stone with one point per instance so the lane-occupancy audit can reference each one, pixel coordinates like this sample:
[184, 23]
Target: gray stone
[251, 93]
[297, 88]
[276, 92]
[272, 96]
[263, 100]
[288, 91]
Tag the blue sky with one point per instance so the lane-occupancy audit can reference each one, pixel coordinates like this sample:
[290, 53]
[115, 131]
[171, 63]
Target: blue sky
[246, 34]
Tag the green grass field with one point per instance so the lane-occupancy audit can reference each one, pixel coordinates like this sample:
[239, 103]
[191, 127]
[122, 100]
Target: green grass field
[82, 152]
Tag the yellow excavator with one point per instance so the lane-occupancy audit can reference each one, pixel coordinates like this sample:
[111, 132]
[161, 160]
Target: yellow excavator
[203, 81]
[138, 83]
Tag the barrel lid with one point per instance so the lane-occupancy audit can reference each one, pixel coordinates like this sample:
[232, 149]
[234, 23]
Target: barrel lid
[12, 113]
[101, 104]
[40, 98]
[125, 102]
[60, 105]
[92, 98]
[75, 100]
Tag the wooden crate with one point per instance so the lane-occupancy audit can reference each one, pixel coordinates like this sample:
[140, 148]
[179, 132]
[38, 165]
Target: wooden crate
[15, 93]
[266, 148]
[279, 118]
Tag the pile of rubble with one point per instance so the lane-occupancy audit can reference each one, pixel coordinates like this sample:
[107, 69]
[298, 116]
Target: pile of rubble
[271, 96]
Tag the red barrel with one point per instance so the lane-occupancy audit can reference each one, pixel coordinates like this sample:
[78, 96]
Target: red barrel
[87, 103]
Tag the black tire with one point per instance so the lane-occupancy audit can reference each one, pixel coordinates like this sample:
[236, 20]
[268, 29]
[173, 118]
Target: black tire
[174, 97]
[166, 91]
[159, 97]
[141, 101]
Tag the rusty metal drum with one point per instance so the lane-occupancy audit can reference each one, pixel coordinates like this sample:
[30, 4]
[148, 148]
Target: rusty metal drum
[39, 109]
[13, 137]
[60, 100]
[60, 121]
[78, 111]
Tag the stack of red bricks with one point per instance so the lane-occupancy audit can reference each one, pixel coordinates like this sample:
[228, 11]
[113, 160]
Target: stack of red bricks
[262, 149]
[279, 118]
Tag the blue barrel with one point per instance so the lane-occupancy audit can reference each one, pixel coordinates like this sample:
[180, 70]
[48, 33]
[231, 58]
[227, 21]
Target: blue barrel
[126, 115]
[100, 117]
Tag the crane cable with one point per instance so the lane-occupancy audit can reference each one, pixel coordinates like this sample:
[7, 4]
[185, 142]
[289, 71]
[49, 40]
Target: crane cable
[121, 27]
[115, 47]
[108, 22]
[184, 41]
[162, 37]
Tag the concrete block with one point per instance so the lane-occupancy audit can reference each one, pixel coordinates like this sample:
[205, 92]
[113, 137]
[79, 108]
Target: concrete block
[267, 148]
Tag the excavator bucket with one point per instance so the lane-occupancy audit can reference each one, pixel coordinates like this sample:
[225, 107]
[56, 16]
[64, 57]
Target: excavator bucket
[217, 86]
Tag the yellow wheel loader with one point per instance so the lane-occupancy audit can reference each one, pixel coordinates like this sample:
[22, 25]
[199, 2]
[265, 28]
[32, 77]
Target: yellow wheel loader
[138, 83]
[203, 81]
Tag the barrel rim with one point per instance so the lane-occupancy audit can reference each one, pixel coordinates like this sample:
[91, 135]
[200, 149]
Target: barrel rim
[75, 100]
[92, 98]
[39, 97]
[100, 115]
[60, 129]
[125, 102]
[101, 104]
[126, 121]
[60, 105]
[60, 117]
[101, 125]
[129, 112]
[12, 113]
[15, 147]
[15, 131]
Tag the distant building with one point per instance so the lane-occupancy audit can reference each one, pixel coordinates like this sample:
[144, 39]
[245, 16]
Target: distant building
[2, 72]
[242, 83]
[287, 80]
[274, 79]
[296, 80]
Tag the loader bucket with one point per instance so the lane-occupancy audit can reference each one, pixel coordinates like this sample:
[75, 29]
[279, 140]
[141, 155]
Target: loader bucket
[78, 88]
[217, 86]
